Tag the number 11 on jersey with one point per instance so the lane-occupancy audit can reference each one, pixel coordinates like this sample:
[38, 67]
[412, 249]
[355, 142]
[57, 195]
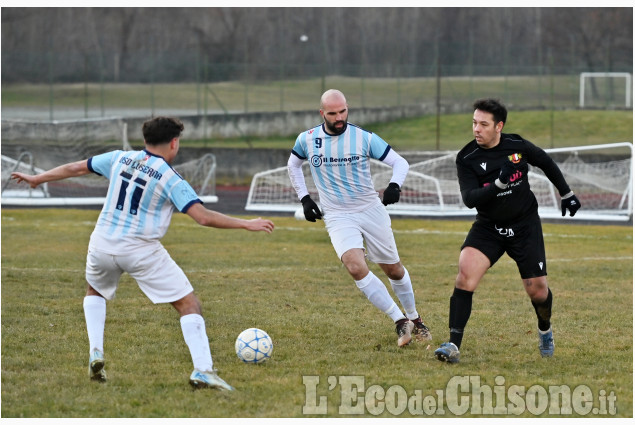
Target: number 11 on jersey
[136, 193]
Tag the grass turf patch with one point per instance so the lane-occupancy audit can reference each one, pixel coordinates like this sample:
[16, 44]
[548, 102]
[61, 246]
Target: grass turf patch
[291, 284]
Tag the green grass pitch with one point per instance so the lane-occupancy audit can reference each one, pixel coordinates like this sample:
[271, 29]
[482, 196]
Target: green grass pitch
[291, 284]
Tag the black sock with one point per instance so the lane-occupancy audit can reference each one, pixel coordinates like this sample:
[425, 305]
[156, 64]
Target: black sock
[460, 310]
[543, 311]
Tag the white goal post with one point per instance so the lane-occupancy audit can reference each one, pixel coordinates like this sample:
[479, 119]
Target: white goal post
[584, 76]
[200, 173]
[26, 144]
[600, 175]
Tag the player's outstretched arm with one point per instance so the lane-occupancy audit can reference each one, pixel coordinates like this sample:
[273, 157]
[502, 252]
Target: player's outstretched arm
[210, 218]
[72, 169]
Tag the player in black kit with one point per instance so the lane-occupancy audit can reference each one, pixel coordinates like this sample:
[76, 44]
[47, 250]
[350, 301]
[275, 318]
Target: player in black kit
[492, 171]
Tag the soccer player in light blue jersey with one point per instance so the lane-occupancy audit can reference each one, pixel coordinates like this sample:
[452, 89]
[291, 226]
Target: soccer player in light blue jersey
[339, 155]
[143, 192]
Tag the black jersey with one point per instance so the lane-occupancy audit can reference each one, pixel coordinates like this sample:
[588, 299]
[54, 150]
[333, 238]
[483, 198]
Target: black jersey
[477, 168]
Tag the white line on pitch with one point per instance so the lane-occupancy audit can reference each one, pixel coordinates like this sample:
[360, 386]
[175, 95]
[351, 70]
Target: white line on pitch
[258, 269]
[445, 232]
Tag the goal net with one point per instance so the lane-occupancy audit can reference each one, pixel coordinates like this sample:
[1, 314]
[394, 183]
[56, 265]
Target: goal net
[600, 175]
[34, 147]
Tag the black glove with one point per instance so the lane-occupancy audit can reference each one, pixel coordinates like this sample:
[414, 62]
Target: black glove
[507, 170]
[311, 210]
[391, 194]
[572, 203]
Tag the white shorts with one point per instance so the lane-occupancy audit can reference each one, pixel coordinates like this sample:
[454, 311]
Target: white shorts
[156, 273]
[373, 226]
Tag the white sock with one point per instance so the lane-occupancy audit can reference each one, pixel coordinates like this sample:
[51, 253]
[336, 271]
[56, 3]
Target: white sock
[403, 290]
[193, 327]
[95, 314]
[378, 295]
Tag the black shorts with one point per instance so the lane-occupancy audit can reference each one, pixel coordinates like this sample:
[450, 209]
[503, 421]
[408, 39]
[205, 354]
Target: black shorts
[522, 241]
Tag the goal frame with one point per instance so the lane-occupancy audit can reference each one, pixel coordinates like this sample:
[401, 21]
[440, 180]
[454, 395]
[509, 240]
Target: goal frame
[40, 197]
[627, 196]
[27, 198]
[625, 75]
[548, 207]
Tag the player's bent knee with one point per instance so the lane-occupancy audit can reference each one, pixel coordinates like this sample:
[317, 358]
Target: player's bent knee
[189, 304]
[90, 291]
[357, 272]
[536, 288]
[394, 271]
[356, 266]
[466, 282]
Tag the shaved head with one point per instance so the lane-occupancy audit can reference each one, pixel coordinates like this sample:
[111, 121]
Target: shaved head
[332, 96]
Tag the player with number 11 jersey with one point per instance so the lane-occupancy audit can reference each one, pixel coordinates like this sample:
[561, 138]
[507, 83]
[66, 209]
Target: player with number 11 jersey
[143, 194]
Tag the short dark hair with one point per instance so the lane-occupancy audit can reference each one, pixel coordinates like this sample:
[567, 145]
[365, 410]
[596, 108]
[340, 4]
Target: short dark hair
[161, 130]
[493, 106]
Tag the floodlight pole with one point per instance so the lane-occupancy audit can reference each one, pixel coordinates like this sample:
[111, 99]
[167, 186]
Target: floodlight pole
[438, 98]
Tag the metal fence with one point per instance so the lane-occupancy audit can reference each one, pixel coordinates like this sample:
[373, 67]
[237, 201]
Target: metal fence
[70, 86]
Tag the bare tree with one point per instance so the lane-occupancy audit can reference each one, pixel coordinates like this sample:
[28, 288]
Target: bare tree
[133, 44]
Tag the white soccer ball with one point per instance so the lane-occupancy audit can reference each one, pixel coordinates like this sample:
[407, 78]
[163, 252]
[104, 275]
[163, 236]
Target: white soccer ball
[253, 345]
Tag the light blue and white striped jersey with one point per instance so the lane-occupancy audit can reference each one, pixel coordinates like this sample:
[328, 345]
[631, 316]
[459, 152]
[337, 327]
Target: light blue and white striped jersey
[340, 166]
[143, 193]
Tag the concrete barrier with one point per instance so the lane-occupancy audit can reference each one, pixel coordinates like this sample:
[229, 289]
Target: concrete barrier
[265, 124]
[48, 141]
